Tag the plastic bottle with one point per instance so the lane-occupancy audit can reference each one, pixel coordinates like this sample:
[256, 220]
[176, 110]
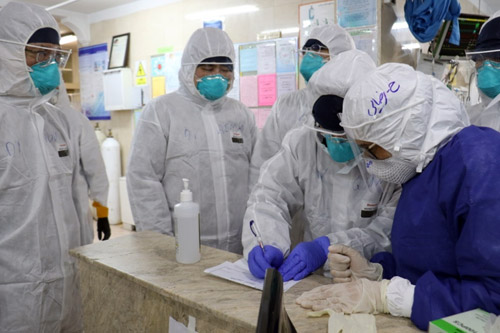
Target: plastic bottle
[111, 155]
[187, 227]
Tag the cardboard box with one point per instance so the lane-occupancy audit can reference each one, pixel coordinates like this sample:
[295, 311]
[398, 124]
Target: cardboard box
[473, 321]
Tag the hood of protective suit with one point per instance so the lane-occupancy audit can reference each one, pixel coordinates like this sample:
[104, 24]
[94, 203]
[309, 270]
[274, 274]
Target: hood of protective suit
[18, 21]
[334, 37]
[204, 43]
[340, 73]
[492, 17]
[408, 113]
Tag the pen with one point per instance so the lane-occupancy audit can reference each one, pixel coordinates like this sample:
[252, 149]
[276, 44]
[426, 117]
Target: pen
[256, 233]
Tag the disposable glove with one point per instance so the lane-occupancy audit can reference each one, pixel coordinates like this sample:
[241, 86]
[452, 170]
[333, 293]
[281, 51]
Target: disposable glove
[305, 258]
[347, 264]
[259, 261]
[103, 229]
[360, 296]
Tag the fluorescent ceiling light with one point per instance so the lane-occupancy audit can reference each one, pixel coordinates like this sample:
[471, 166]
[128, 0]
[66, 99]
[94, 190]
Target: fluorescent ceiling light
[67, 39]
[208, 14]
[64, 3]
[411, 46]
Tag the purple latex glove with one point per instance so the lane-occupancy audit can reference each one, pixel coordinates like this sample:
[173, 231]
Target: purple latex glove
[305, 259]
[259, 260]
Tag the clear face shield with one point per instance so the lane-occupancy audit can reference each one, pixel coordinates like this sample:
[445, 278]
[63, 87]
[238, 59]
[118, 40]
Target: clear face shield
[44, 56]
[373, 184]
[487, 65]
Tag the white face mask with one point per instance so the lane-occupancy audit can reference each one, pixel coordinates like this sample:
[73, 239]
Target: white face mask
[392, 170]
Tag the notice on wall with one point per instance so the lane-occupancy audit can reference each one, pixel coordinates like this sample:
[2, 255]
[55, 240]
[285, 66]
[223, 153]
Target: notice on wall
[356, 13]
[286, 83]
[248, 90]
[140, 76]
[266, 89]
[248, 59]
[93, 61]
[315, 15]
[266, 58]
[172, 67]
[158, 86]
[286, 56]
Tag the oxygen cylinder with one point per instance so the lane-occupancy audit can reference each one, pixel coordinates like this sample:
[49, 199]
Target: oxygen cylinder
[111, 155]
[100, 135]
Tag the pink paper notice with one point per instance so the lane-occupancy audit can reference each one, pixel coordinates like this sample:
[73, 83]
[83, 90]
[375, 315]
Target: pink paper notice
[267, 89]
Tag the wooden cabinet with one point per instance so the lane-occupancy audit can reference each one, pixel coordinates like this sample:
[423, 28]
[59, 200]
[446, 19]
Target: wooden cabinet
[70, 72]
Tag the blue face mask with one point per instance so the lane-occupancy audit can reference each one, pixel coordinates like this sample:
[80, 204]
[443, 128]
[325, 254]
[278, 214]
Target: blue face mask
[310, 64]
[212, 87]
[45, 78]
[488, 78]
[339, 148]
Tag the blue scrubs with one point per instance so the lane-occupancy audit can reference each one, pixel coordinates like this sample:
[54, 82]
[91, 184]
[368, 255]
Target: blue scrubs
[446, 231]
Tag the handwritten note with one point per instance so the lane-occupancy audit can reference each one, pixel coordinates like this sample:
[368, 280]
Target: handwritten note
[378, 103]
[238, 272]
[267, 89]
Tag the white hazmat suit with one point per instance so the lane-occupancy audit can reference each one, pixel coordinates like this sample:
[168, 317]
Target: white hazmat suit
[337, 200]
[89, 177]
[184, 135]
[294, 109]
[38, 220]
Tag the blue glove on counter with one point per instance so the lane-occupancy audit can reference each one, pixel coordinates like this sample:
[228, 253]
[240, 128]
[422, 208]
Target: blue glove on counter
[305, 258]
[259, 261]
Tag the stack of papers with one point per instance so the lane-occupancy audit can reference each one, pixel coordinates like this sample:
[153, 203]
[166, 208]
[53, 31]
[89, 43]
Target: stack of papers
[238, 272]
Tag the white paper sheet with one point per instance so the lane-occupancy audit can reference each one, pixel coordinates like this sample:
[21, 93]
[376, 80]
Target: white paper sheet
[238, 272]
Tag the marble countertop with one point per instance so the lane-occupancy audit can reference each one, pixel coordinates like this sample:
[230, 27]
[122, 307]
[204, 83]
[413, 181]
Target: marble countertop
[148, 259]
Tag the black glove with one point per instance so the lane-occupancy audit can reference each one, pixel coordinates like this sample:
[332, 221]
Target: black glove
[103, 228]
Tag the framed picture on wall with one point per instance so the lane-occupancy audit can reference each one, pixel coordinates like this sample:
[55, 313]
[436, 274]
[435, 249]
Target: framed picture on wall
[118, 56]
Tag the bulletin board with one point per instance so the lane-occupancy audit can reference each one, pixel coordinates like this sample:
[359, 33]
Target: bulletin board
[263, 71]
[361, 18]
[164, 73]
[266, 70]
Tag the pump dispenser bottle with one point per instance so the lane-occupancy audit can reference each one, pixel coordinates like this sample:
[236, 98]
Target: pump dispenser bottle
[187, 227]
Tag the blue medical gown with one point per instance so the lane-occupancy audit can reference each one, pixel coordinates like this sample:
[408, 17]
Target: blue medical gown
[446, 230]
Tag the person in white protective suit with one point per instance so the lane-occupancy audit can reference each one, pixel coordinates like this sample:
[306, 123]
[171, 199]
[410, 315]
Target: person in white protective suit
[293, 109]
[89, 177]
[38, 219]
[487, 58]
[317, 170]
[200, 134]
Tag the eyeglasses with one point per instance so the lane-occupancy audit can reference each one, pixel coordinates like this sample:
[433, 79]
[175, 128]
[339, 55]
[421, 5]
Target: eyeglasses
[46, 56]
[315, 48]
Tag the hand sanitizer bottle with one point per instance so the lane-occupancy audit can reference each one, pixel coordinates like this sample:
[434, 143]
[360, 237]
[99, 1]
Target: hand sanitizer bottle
[187, 227]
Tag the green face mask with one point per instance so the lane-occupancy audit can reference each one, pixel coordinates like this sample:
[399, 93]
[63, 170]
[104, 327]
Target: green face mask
[310, 64]
[212, 87]
[488, 78]
[45, 77]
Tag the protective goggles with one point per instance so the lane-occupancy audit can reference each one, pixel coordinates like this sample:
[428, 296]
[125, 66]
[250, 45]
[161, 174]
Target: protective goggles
[315, 48]
[44, 55]
[47, 56]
